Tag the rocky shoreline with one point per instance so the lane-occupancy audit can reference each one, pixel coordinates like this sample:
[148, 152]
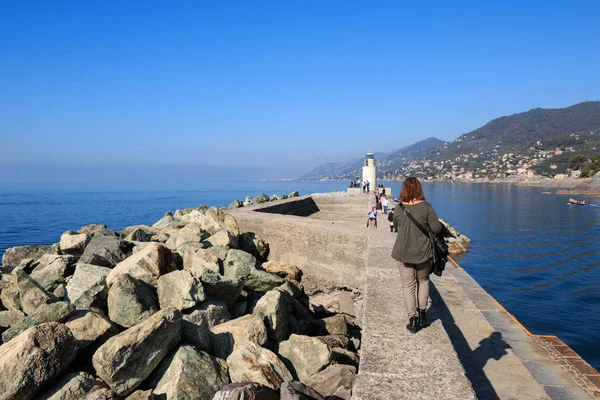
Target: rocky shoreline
[189, 307]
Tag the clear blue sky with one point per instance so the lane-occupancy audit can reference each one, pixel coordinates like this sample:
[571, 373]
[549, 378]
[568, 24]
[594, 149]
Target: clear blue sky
[283, 84]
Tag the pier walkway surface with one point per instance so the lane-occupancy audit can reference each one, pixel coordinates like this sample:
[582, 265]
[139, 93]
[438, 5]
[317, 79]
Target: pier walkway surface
[473, 349]
[469, 330]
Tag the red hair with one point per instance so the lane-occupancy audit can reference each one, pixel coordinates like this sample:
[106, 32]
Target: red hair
[411, 190]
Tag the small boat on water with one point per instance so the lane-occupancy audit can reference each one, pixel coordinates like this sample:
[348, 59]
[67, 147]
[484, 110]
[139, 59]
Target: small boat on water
[578, 202]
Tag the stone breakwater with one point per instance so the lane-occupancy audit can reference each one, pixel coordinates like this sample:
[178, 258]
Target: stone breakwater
[189, 307]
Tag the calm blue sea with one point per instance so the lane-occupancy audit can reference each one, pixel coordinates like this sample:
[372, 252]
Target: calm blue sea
[534, 253]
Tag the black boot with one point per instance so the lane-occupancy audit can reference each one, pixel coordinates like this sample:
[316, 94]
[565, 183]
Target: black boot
[423, 321]
[413, 325]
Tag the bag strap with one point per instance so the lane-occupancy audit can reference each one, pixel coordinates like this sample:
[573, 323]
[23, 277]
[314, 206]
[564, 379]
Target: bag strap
[409, 215]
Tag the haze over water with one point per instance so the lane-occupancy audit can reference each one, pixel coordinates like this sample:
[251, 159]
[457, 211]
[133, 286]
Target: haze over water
[537, 255]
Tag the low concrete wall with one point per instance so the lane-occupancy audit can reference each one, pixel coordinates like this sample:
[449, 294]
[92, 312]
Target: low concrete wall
[320, 248]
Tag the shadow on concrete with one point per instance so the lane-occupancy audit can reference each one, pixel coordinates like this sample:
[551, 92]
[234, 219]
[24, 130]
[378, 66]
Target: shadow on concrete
[473, 361]
[303, 207]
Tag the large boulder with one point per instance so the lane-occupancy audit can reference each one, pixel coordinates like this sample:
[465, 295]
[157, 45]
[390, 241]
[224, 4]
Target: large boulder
[106, 251]
[283, 269]
[53, 270]
[221, 238]
[335, 381]
[211, 258]
[73, 243]
[131, 301]
[261, 198]
[253, 244]
[33, 359]
[146, 265]
[73, 386]
[195, 327]
[127, 359]
[235, 204]
[94, 297]
[242, 265]
[96, 229]
[227, 336]
[139, 233]
[216, 219]
[250, 362]
[10, 317]
[293, 194]
[24, 293]
[246, 391]
[218, 286]
[180, 290]
[274, 305]
[85, 277]
[55, 312]
[191, 374]
[168, 222]
[335, 325]
[14, 255]
[90, 328]
[294, 390]
[305, 355]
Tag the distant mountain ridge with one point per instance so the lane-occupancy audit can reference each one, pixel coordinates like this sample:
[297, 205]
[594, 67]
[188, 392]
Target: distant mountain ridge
[351, 169]
[517, 133]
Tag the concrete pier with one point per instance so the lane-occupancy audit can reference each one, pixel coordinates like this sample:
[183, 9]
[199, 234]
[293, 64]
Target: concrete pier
[474, 347]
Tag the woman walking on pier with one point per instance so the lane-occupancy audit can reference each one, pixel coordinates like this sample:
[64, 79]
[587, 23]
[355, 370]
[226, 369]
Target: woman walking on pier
[413, 251]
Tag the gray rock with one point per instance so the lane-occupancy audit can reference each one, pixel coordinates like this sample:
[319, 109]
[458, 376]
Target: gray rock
[293, 194]
[142, 395]
[96, 229]
[10, 317]
[242, 265]
[292, 288]
[248, 201]
[85, 277]
[294, 390]
[221, 238]
[94, 297]
[127, 359]
[168, 222]
[235, 204]
[178, 240]
[106, 251]
[335, 380]
[139, 233]
[211, 258]
[251, 363]
[195, 327]
[305, 355]
[131, 301]
[180, 290]
[55, 312]
[73, 243]
[100, 393]
[274, 305]
[336, 325]
[227, 336]
[333, 341]
[71, 387]
[90, 328]
[253, 244]
[341, 356]
[191, 374]
[283, 269]
[246, 391]
[59, 292]
[52, 270]
[24, 293]
[283, 197]
[14, 255]
[220, 287]
[146, 265]
[261, 198]
[33, 359]
[273, 198]
[216, 219]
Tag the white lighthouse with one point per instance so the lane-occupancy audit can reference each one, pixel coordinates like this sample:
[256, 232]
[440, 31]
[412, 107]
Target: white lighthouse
[369, 172]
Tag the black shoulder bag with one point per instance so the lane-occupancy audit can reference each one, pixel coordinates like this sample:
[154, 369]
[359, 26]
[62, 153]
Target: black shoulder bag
[439, 248]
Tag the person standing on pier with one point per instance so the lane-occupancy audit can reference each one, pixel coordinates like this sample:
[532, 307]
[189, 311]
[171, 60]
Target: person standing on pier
[412, 250]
